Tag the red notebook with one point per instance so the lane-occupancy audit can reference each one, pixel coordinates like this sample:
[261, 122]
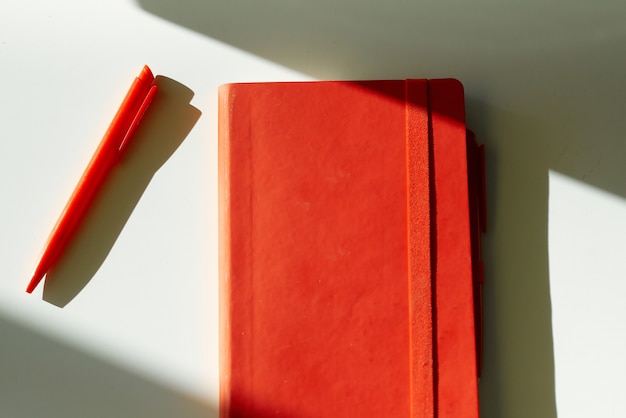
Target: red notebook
[349, 250]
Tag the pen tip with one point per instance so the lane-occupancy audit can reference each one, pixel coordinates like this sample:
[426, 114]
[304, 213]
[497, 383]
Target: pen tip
[30, 287]
[34, 281]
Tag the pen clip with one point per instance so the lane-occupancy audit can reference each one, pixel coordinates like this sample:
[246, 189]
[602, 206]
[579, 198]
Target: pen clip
[138, 116]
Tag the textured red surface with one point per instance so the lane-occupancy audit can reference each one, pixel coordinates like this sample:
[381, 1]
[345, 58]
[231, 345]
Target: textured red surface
[454, 317]
[334, 213]
[420, 239]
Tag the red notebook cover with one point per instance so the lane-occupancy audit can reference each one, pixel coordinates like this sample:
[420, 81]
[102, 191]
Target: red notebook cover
[346, 264]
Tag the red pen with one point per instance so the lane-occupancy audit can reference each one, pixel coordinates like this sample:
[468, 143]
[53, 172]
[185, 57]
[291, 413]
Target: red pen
[107, 155]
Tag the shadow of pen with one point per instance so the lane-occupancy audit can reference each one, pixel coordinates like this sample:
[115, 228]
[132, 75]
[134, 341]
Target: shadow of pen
[164, 127]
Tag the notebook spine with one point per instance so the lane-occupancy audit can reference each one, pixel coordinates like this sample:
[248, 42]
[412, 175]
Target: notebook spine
[224, 250]
[235, 260]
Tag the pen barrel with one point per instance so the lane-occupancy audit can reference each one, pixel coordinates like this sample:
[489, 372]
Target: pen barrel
[100, 166]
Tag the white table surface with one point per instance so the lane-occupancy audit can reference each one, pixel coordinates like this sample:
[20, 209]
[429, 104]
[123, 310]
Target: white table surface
[545, 85]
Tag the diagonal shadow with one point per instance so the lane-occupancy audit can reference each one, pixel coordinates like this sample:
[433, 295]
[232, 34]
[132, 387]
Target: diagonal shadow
[41, 377]
[544, 91]
[164, 127]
